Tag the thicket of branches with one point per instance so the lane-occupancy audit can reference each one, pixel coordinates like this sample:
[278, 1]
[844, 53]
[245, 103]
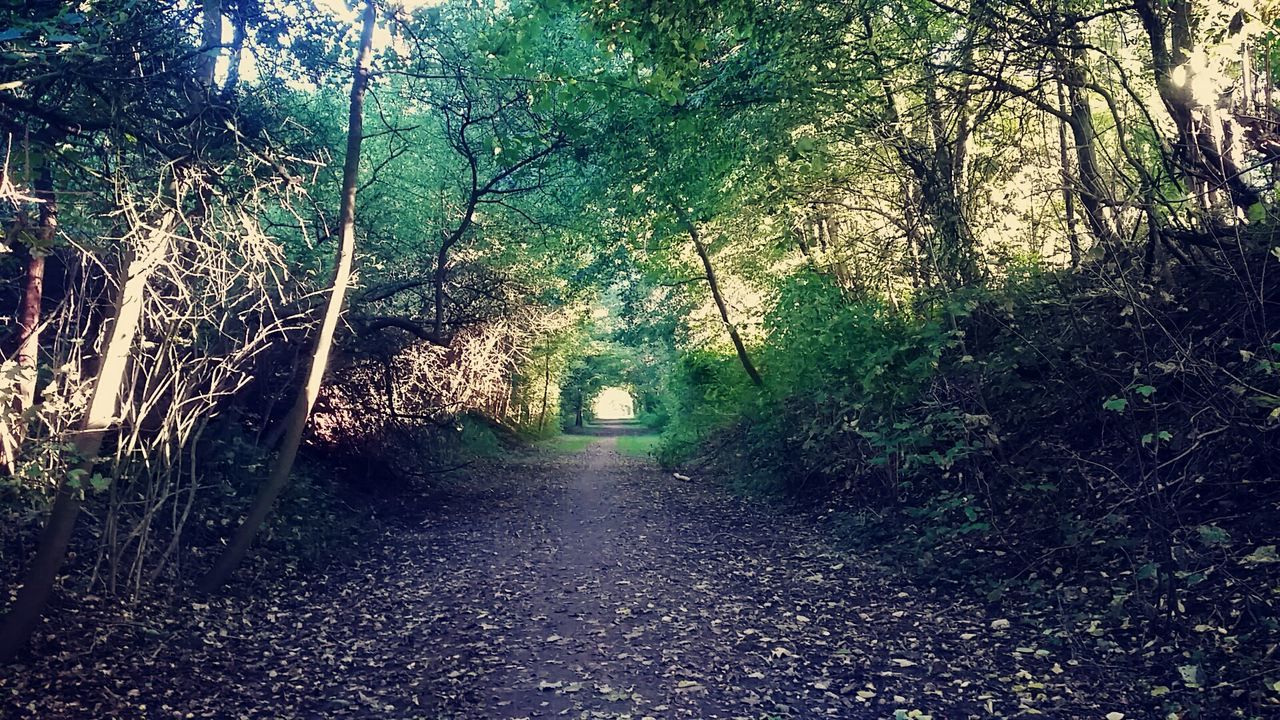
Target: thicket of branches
[171, 193]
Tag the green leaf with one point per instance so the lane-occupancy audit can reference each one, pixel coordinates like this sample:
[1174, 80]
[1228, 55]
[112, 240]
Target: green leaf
[1256, 213]
[1115, 404]
[1213, 535]
[1263, 555]
[1145, 390]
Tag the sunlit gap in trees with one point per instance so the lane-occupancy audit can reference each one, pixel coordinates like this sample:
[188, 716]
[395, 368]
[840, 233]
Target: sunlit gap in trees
[343, 9]
[340, 9]
[614, 403]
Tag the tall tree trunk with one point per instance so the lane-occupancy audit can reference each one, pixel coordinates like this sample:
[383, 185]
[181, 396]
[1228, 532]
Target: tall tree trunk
[27, 356]
[38, 582]
[940, 173]
[1068, 195]
[714, 285]
[1170, 29]
[546, 392]
[33, 293]
[296, 422]
[952, 250]
[237, 52]
[801, 233]
[1093, 193]
[211, 35]
[92, 430]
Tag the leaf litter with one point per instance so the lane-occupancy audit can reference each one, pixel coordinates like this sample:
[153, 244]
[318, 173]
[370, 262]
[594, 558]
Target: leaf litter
[584, 586]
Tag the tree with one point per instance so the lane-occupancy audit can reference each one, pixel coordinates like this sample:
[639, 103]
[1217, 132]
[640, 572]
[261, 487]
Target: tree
[101, 413]
[296, 422]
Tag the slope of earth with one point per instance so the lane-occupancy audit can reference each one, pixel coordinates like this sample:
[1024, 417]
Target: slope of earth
[586, 586]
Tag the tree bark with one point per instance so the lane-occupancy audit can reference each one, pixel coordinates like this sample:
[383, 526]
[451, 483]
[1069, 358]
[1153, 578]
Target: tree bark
[1170, 33]
[211, 35]
[941, 175]
[948, 253]
[1092, 187]
[1068, 195]
[296, 422]
[33, 293]
[714, 285]
[237, 52]
[546, 392]
[39, 580]
[27, 355]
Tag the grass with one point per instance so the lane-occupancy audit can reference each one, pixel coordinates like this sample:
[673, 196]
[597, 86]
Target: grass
[635, 445]
[568, 443]
[638, 445]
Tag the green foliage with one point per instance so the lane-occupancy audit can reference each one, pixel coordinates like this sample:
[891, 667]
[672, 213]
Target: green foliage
[704, 390]
[867, 372]
[477, 439]
[1007, 423]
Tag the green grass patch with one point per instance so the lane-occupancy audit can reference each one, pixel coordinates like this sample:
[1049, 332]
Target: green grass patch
[638, 445]
[568, 443]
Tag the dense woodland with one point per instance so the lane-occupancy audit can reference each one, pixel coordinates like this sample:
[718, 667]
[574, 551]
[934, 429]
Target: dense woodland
[990, 288]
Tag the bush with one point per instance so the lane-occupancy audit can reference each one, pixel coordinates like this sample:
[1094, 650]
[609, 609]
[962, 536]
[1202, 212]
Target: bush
[1058, 431]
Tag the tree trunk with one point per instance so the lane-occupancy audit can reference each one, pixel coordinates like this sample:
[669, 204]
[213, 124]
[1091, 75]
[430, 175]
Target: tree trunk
[1068, 195]
[714, 285]
[237, 53]
[33, 293]
[38, 582]
[211, 33]
[296, 422]
[1093, 191]
[546, 391]
[952, 251]
[27, 356]
[1207, 160]
[940, 174]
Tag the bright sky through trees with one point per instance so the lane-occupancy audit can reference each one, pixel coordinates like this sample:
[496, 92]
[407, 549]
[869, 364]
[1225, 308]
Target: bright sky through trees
[614, 403]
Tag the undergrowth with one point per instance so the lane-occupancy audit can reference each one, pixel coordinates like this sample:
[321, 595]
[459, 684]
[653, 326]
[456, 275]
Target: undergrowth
[1098, 452]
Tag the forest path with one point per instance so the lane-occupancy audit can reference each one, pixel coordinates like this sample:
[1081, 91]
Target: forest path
[587, 585]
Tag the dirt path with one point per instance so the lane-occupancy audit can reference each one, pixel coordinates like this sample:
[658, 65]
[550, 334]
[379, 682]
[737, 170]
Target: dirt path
[586, 586]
